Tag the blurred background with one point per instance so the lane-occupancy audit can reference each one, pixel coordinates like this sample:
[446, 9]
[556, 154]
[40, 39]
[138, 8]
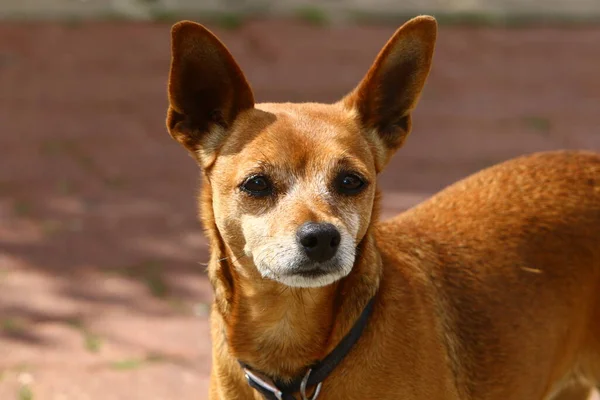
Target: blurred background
[103, 293]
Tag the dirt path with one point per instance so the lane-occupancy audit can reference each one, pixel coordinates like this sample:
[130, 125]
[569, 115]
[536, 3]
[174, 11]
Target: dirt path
[102, 290]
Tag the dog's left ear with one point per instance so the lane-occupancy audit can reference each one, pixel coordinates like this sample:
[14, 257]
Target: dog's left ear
[389, 92]
[207, 90]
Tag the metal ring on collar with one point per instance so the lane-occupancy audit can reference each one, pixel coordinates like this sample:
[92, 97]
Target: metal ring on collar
[303, 385]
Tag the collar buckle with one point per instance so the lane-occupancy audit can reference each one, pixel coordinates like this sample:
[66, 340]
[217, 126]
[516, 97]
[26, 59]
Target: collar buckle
[264, 383]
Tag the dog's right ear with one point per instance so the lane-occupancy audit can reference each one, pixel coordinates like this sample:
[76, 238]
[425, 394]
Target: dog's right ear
[207, 90]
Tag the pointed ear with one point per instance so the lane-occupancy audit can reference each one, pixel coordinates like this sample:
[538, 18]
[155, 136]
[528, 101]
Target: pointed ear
[389, 92]
[207, 89]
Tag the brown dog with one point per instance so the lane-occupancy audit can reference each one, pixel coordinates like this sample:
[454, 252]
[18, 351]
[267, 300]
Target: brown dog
[489, 290]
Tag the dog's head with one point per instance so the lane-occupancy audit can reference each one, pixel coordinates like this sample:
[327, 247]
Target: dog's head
[292, 186]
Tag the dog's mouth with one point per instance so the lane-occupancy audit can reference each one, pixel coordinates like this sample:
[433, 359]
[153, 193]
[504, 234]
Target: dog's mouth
[315, 270]
[313, 273]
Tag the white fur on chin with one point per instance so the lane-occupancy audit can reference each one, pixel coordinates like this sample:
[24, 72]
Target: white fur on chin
[300, 281]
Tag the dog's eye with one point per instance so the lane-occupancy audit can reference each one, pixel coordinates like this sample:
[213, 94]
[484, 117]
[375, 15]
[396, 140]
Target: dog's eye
[257, 186]
[350, 183]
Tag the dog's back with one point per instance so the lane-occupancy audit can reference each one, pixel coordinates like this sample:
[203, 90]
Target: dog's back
[512, 258]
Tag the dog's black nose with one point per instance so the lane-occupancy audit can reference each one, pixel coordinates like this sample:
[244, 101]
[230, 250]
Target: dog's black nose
[319, 240]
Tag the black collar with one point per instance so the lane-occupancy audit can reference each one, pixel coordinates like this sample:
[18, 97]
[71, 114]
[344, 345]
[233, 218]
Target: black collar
[274, 389]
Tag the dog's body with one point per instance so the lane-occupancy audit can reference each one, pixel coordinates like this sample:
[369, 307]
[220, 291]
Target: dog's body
[489, 290]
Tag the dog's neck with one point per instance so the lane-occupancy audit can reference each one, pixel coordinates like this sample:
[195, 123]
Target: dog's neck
[281, 330]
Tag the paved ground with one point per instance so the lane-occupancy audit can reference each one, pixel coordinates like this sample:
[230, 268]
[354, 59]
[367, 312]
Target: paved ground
[102, 289]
